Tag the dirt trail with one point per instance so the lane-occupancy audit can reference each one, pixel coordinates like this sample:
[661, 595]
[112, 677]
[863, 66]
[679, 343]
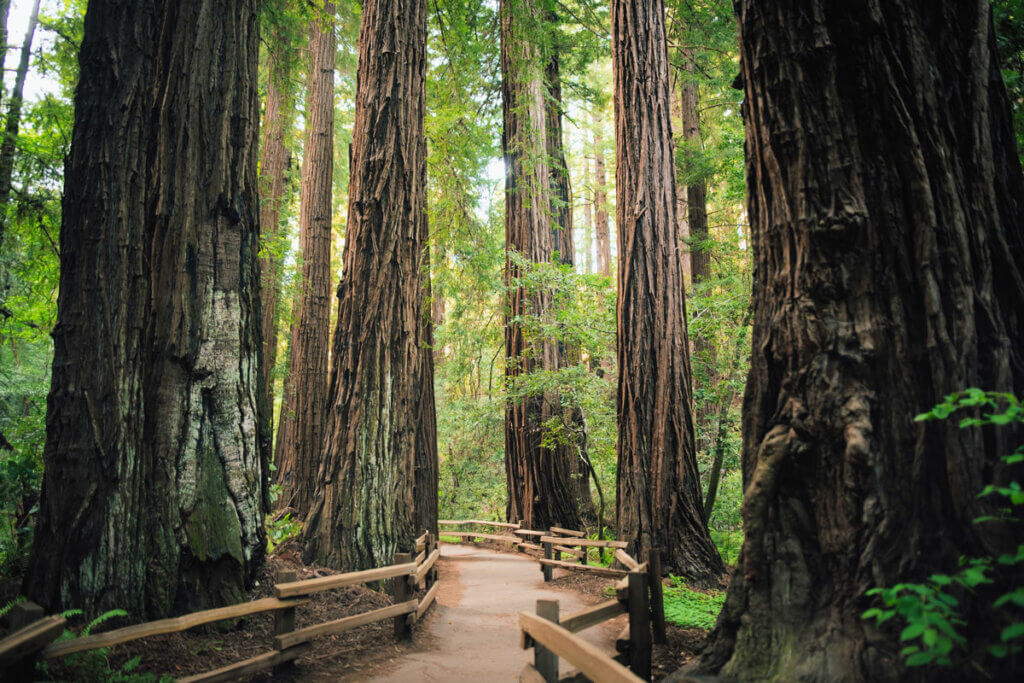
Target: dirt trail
[472, 633]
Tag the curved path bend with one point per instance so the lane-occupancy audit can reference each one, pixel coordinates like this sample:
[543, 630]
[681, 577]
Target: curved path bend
[472, 632]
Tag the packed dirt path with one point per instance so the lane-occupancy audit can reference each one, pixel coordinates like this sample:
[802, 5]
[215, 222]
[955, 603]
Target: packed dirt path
[472, 633]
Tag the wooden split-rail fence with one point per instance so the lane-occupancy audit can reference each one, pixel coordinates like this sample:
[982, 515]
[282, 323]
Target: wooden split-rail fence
[409, 572]
[638, 593]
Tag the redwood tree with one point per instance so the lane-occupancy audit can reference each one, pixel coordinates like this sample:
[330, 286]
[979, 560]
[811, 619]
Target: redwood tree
[364, 511]
[304, 413]
[887, 222]
[601, 230]
[152, 492]
[274, 161]
[541, 490]
[659, 495]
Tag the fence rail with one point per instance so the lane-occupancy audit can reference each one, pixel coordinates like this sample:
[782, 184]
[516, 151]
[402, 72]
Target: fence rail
[36, 638]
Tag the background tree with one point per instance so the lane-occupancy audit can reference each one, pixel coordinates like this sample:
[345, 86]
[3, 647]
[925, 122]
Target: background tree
[541, 488]
[658, 488]
[152, 497]
[363, 511]
[888, 244]
[304, 413]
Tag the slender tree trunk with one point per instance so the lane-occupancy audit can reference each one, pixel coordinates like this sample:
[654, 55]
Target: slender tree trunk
[588, 219]
[700, 251]
[10, 139]
[684, 226]
[888, 240]
[273, 164]
[659, 493]
[364, 509]
[604, 241]
[561, 223]
[426, 461]
[300, 433]
[5, 9]
[541, 491]
[152, 492]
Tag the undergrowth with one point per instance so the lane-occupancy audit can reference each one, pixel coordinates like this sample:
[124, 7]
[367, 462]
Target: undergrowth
[687, 608]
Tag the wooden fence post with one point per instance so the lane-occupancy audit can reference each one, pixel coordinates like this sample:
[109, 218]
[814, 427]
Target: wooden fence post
[284, 619]
[402, 592]
[639, 626]
[546, 568]
[657, 598]
[544, 660]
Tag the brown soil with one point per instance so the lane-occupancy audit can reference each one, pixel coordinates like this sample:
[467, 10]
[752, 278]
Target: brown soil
[470, 634]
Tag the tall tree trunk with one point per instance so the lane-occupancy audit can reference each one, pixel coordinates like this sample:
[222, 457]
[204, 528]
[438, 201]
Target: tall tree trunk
[887, 226]
[302, 421]
[541, 491]
[684, 226]
[273, 164]
[5, 9]
[700, 248]
[659, 494]
[364, 510]
[561, 223]
[152, 492]
[426, 461]
[604, 240]
[11, 126]
[588, 219]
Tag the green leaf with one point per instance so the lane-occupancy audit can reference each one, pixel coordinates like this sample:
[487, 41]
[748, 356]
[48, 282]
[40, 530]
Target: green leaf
[920, 659]
[1012, 632]
[1016, 597]
[912, 631]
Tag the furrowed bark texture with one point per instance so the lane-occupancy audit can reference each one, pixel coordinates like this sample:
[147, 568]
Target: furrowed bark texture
[302, 421]
[152, 490]
[273, 163]
[888, 241]
[659, 495]
[603, 237]
[541, 491]
[363, 511]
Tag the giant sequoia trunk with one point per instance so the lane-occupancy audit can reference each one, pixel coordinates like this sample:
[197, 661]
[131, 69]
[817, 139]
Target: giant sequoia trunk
[303, 418]
[541, 490]
[273, 163]
[426, 462]
[659, 495]
[364, 509]
[154, 471]
[888, 242]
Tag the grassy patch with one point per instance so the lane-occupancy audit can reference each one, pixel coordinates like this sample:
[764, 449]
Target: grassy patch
[688, 608]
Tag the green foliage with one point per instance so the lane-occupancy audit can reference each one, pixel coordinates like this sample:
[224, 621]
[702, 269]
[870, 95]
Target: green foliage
[933, 611]
[687, 608]
[1008, 18]
[94, 665]
[281, 529]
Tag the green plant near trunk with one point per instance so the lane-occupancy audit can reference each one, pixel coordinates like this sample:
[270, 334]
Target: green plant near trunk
[933, 611]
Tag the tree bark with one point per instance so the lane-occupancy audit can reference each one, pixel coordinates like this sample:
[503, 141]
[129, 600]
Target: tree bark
[588, 219]
[887, 232]
[426, 460]
[699, 248]
[13, 123]
[154, 468]
[541, 491]
[604, 241]
[364, 509]
[561, 223]
[5, 9]
[659, 494]
[274, 160]
[302, 421]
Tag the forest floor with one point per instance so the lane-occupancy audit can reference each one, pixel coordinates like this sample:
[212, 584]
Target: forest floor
[470, 634]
